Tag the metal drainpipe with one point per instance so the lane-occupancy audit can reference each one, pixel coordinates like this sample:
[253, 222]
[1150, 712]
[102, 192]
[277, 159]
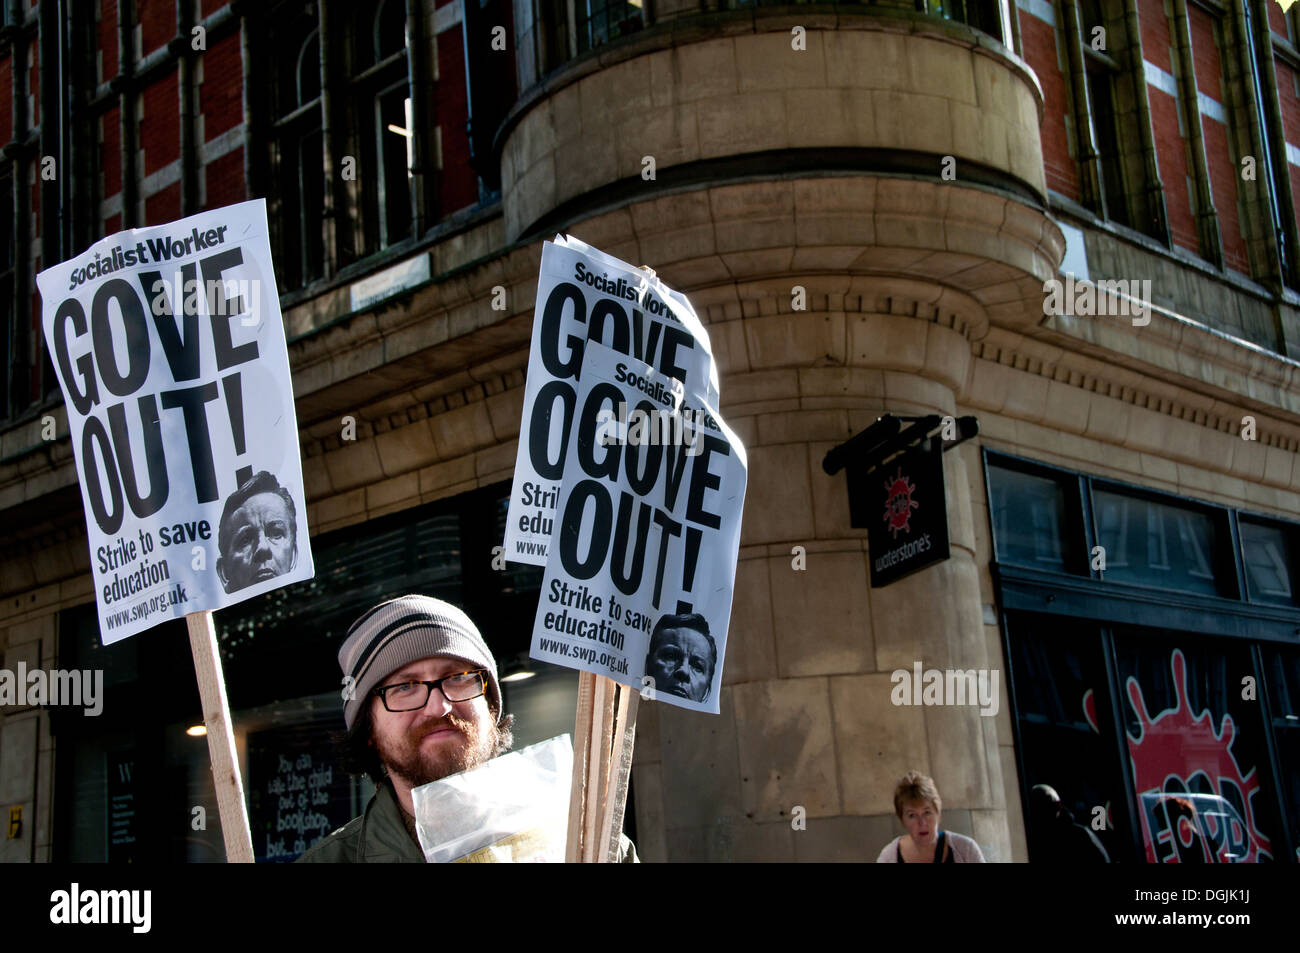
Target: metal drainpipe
[331, 219]
[1207, 218]
[1089, 160]
[20, 379]
[124, 85]
[419, 122]
[1263, 226]
[247, 50]
[51, 142]
[185, 83]
[1153, 192]
[1275, 132]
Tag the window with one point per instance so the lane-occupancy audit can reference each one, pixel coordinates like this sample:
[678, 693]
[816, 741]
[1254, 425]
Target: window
[1283, 678]
[1029, 518]
[297, 155]
[572, 27]
[1156, 544]
[1196, 751]
[1106, 137]
[1048, 519]
[982, 15]
[384, 124]
[600, 21]
[1269, 552]
[1160, 640]
[1065, 729]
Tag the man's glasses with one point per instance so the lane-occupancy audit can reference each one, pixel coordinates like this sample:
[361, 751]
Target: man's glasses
[408, 696]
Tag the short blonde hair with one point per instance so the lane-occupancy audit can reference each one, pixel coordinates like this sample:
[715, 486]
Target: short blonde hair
[915, 786]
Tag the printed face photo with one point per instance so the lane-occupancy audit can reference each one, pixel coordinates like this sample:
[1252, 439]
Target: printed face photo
[681, 663]
[261, 542]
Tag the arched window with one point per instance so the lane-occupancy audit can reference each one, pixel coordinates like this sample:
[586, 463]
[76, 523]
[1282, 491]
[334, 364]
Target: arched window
[381, 98]
[296, 196]
[308, 72]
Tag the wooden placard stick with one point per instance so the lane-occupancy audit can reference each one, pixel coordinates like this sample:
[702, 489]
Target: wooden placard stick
[581, 756]
[611, 829]
[221, 740]
[602, 729]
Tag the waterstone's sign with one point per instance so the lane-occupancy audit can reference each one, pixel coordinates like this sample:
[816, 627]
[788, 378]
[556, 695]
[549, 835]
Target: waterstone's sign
[906, 514]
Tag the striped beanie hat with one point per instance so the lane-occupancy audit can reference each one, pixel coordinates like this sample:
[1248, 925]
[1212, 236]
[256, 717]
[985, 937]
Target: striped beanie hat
[404, 630]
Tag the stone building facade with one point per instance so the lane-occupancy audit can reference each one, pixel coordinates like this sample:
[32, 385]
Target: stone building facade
[920, 171]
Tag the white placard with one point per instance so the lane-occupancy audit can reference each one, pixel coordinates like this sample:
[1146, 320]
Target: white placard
[584, 294]
[169, 346]
[642, 565]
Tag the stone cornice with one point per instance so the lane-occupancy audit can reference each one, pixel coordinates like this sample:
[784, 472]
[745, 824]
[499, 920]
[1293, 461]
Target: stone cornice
[1101, 375]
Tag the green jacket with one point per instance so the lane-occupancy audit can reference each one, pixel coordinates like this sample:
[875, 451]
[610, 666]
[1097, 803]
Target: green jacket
[379, 836]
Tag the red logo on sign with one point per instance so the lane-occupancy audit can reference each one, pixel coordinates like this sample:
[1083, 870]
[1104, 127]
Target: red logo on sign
[1195, 803]
[899, 503]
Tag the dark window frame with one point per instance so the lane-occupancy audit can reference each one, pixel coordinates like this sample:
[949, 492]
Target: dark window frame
[1127, 603]
[1108, 606]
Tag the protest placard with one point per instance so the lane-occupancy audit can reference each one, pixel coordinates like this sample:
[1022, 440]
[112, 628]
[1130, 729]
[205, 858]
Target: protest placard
[585, 295]
[647, 532]
[169, 345]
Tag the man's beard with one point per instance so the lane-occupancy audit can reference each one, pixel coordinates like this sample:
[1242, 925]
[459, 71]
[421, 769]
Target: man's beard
[416, 766]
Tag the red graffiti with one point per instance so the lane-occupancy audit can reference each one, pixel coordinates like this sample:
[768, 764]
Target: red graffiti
[899, 503]
[1195, 803]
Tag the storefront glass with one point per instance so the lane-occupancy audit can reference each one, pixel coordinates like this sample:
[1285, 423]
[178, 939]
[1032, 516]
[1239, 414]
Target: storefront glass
[1157, 683]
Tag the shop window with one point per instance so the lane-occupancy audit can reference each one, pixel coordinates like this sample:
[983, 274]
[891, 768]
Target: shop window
[1158, 544]
[120, 796]
[1282, 666]
[1269, 554]
[1066, 730]
[1031, 519]
[1201, 780]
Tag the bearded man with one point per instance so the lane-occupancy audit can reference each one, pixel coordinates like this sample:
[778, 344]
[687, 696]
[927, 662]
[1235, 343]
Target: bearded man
[421, 702]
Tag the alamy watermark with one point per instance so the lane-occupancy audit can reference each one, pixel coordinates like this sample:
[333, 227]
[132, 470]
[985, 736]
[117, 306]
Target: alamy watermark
[79, 688]
[950, 687]
[1119, 298]
[646, 427]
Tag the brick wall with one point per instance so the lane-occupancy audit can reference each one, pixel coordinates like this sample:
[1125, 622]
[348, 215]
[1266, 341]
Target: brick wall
[1276, 18]
[163, 206]
[110, 156]
[225, 179]
[160, 124]
[1154, 26]
[1171, 145]
[1223, 169]
[1286, 90]
[1038, 42]
[221, 93]
[156, 22]
[107, 35]
[448, 109]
